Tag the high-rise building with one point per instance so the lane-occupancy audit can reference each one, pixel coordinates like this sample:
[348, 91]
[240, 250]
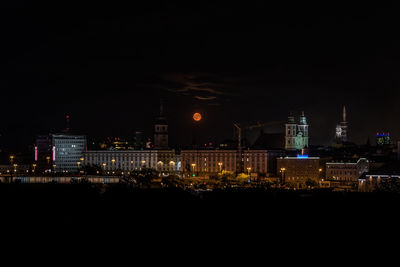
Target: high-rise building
[67, 151]
[161, 130]
[341, 128]
[296, 135]
[59, 152]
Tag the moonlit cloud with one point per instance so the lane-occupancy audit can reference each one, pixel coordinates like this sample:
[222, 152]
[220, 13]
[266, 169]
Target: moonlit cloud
[205, 97]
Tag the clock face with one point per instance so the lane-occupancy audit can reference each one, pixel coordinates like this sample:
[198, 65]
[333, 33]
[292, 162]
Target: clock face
[197, 117]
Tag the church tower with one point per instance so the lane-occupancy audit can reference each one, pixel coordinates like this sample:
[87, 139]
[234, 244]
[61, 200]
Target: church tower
[303, 132]
[296, 135]
[290, 134]
[161, 130]
[341, 128]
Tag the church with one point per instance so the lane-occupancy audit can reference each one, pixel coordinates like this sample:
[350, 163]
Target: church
[296, 134]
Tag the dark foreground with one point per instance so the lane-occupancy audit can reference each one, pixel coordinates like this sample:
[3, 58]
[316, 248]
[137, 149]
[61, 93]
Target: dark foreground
[81, 218]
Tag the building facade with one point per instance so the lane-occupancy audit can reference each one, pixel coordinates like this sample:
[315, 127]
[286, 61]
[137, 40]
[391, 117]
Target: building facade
[213, 161]
[346, 171]
[296, 134]
[373, 182]
[164, 161]
[59, 152]
[67, 151]
[296, 171]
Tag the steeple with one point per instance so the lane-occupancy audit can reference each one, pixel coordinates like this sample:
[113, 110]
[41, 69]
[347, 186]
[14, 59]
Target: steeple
[303, 119]
[344, 113]
[291, 118]
[161, 130]
[341, 128]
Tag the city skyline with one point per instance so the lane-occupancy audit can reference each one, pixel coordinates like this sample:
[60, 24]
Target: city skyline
[130, 128]
[277, 126]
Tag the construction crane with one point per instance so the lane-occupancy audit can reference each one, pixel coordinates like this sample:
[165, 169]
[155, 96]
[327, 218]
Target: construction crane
[240, 128]
[240, 156]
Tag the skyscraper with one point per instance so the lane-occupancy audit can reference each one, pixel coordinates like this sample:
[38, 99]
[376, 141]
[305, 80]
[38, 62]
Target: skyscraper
[341, 128]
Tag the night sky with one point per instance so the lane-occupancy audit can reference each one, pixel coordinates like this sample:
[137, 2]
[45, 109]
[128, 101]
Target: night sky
[108, 65]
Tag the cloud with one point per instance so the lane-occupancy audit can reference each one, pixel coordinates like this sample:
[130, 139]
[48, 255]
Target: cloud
[205, 97]
[199, 86]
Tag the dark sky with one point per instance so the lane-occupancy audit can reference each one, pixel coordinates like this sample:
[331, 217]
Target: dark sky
[107, 65]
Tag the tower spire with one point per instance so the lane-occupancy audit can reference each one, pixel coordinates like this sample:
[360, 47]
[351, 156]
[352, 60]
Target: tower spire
[344, 113]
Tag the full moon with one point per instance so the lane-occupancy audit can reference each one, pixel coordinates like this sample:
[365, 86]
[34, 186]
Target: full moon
[197, 116]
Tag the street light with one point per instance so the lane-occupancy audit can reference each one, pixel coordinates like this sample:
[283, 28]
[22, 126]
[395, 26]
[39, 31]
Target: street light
[172, 165]
[194, 166]
[220, 166]
[12, 159]
[248, 170]
[104, 166]
[34, 167]
[283, 175]
[15, 167]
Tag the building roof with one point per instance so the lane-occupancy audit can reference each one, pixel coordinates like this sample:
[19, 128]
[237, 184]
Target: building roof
[346, 160]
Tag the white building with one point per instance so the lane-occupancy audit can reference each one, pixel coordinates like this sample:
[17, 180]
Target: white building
[349, 170]
[164, 161]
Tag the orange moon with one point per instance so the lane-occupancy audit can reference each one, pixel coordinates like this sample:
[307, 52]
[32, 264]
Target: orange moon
[197, 116]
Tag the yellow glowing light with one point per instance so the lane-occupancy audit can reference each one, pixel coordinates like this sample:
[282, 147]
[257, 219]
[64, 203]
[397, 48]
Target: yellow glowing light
[197, 116]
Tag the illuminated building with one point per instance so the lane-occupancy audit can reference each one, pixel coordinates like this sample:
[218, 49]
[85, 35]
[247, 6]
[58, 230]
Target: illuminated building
[66, 179]
[161, 131]
[386, 178]
[67, 151]
[346, 171]
[207, 162]
[164, 161]
[116, 143]
[341, 129]
[296, 171]
[383, 139]
[296, 135]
